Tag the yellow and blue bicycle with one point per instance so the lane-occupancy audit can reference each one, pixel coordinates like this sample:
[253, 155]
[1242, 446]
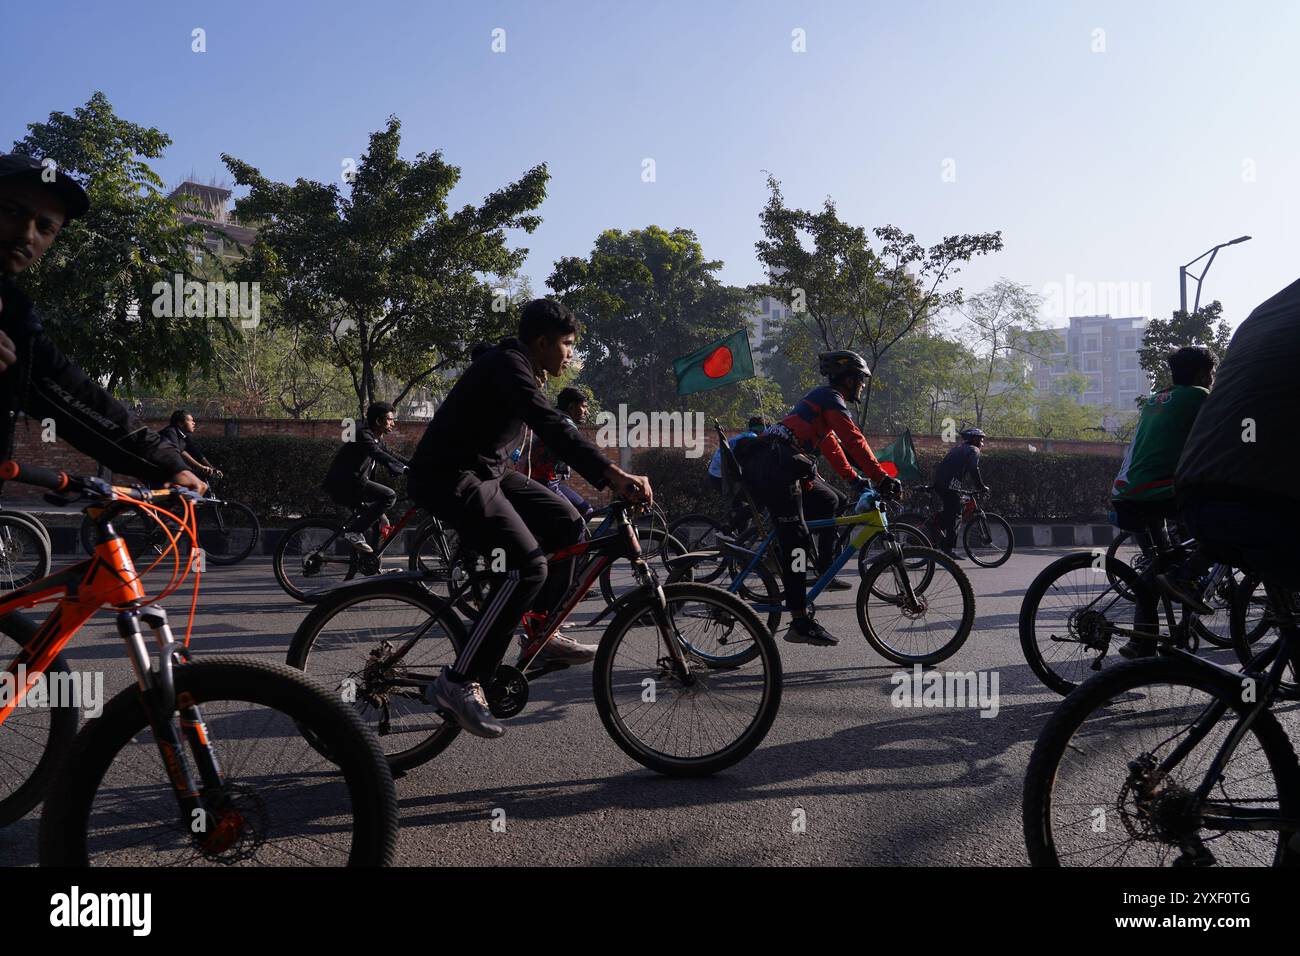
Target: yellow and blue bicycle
[914, 604]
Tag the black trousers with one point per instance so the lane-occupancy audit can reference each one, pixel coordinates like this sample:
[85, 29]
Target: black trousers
[370, 500]
[512, 522]
[790, 506]
[948, 519]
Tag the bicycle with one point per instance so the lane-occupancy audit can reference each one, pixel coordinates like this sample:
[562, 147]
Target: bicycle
[25, 552]
[380, 643]
[1171, 760]
[985, 537]
[228, 530]
[213, 800]
[904, 579]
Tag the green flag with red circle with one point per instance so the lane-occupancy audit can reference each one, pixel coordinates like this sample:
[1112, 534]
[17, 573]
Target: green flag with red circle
[725, 361]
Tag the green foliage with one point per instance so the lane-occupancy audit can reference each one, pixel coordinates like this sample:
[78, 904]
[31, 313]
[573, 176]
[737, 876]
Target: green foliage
[645, 297]
[1206, 326]
[389, 276]
[96, 284]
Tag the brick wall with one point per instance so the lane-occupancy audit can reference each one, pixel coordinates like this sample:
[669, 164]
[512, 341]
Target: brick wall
[28, 446]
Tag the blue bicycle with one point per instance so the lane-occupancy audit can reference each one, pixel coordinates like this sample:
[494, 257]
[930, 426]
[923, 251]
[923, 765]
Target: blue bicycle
[914, 604]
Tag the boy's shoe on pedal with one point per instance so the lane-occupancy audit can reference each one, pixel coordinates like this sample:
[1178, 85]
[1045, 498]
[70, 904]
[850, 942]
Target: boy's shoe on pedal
[466, 704]
[805, 630]
[1138, 647]
[1187, 592]
[835, 584]
[558, 650]
[357, 542]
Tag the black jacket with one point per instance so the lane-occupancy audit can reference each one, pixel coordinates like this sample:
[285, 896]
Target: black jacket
[44, 383]
[1237, 448]
[962, 461]
[483, 419]
[354, 462]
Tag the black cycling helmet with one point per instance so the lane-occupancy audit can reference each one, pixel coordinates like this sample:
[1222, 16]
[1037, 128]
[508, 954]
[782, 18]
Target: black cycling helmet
[969, 433]
[835, 364]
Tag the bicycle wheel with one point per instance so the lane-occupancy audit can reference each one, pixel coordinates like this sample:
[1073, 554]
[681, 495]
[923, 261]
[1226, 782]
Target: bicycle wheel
[1070, 614]
[926, 629]
[228, 531]
[1252, 623]
[24, 554]
[618, 579]
[312, 559]
[1215, 628]
[1124, 547]
[909, 536]
[32, 520]
[33, 739]
[699, 532]
[763, 593]
[437, 553]
[1103, 788]
[113, 804]
[678, 727]
[349, 643]
[987, 540]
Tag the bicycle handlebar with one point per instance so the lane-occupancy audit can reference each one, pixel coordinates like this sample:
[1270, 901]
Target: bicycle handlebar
[62, 483]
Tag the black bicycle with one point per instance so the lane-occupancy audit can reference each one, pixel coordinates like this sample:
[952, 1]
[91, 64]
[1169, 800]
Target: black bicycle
[657, 688]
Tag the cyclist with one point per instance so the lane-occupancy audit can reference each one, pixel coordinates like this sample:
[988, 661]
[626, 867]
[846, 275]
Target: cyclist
[739, 507]
[348, 480]
[950, 475]
[35, 376]
[1143, 492]
[459, 473]
[540, 463]
[1236, 478]
[179, 433]
[779, 469]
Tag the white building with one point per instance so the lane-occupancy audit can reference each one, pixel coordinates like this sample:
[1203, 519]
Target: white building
[1106, 351]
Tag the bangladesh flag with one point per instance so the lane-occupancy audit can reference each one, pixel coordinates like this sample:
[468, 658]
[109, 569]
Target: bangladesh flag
[902, 453]
[725, 361]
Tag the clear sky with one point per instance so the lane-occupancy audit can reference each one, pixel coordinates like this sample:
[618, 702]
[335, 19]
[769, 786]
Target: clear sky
[1106, 158]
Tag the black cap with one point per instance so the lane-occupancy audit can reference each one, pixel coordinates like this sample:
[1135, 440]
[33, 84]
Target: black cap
[75, 200]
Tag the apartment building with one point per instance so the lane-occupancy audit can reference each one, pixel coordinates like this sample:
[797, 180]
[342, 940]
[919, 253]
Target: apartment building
[1104, 349]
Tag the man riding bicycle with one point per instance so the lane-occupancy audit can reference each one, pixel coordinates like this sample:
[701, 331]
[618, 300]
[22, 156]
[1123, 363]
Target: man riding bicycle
[738, 506]
[348, 480]
[35, 376]
[542, 464]
[950, 475]
[778, 467]
[460, 473]
[179, 433]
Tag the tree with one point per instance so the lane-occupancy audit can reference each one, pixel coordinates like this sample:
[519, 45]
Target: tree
[95, 287]
[1003, 333]
[917, 384]
[1206, 326]
[854, 296]
[645, 298]
[388, 277]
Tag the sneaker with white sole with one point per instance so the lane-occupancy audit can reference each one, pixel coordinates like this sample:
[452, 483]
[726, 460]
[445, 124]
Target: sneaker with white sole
[466, 704]
[805, 630]
[558, 650]
[358, 543]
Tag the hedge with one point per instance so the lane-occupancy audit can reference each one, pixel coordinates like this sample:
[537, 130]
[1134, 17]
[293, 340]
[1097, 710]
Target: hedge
[1027, 486]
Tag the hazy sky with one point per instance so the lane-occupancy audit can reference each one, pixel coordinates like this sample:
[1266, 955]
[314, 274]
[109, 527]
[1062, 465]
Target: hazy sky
[1104, 170]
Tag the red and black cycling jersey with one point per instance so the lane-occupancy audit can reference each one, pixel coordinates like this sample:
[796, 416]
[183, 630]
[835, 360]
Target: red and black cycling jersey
[820, 423]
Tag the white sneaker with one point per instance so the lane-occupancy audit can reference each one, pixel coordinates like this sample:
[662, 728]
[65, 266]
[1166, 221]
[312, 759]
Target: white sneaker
[358, 542]
[558, 650]
[466, 704]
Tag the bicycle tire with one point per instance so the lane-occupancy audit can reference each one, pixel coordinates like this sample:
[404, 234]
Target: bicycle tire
[32, 520]
[1248, 630]
[907, 535]
[1003, 555]
[443, 574]
[1098, 694]
[214, 514]
[616, 720]
[660, 544]
[67, 814]
[23, 727]
[21, 544]
[1091, 630]
[308, 637]
[767, 593]
[931, 593]
[698, 532]
[1121, 540]
[295, 537]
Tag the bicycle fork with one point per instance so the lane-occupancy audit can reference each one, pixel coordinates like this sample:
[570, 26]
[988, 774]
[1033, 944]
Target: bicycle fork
[206, 812]
[663, 620]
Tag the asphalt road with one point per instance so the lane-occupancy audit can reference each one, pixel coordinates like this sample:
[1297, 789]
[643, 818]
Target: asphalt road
[844, 776]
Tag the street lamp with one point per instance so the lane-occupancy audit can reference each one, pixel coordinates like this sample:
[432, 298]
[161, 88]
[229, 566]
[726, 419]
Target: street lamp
[1182, 273]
